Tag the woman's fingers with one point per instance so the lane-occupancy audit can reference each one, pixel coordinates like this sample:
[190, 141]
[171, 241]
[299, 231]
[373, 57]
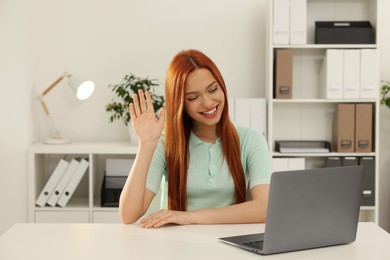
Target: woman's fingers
[132, 112]
[149, 101]
[136, 105]
[141, 95]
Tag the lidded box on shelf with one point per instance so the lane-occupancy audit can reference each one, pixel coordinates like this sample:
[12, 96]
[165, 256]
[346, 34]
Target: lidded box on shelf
[114, 179]
[344, 32]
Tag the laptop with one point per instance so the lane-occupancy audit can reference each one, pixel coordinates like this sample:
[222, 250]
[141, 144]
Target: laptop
[308, 209]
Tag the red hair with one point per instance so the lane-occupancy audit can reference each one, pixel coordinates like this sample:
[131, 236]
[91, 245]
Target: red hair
[178, 127]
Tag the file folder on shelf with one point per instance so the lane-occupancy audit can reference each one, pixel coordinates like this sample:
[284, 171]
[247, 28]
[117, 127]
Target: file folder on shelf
[364, 128]
[283, 74]
[302, 146]
[298, 22]
[73, 183]
[331, 75]
[281, 21]
[51, 183]
[343, 133]
[351, 82]
[59, 189]
[369, 74]
[368, 198]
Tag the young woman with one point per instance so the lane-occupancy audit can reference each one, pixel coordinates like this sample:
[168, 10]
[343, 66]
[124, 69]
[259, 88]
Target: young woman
[213, 171]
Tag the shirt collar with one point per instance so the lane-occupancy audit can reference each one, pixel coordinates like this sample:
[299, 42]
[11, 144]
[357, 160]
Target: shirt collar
[195, 141]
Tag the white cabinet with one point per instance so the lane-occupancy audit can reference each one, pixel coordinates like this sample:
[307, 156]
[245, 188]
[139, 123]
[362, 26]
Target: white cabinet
[306, 116]
[84, 205]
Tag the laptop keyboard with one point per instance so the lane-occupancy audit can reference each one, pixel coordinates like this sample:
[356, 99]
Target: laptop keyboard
[255, 244]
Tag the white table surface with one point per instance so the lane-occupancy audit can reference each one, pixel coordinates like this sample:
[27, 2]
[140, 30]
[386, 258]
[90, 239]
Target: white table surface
[117, 241]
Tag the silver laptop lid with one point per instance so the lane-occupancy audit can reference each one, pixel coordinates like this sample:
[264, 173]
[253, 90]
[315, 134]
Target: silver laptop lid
[313, 208]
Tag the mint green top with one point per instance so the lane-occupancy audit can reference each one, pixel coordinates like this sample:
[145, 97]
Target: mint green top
[209, 184]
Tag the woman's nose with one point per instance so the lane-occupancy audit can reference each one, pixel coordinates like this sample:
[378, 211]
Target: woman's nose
[207, 101]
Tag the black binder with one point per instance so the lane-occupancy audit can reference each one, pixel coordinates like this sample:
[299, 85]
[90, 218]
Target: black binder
[368, 198]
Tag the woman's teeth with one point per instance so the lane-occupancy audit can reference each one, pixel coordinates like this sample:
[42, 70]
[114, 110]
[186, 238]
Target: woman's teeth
[210, 112]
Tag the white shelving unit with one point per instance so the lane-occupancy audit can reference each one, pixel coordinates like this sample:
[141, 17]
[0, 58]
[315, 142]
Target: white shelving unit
[306, 116]
[84, 206]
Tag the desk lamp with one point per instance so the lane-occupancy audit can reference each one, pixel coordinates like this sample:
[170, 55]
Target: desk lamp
[83, 90]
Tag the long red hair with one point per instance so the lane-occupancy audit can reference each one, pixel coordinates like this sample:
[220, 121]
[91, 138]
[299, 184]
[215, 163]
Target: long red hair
[178, 127]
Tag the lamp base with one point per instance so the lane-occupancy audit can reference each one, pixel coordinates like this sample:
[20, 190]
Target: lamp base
[57, 141]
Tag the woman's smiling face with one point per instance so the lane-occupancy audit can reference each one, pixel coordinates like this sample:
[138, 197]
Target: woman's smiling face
[204, 98]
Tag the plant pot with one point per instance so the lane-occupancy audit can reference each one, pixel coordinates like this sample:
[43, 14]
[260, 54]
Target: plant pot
[133, 135]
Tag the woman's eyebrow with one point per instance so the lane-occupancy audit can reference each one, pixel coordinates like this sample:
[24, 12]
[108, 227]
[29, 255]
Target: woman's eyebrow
[195, 92]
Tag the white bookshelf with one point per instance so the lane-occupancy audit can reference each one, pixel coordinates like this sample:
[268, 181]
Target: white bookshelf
[307, 116]
[84, 205]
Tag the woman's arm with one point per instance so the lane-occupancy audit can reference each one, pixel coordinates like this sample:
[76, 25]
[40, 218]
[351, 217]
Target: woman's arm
[135, 198]
[253, 211]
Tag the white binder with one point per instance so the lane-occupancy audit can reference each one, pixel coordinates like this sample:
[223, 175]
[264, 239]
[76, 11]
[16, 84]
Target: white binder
[369, 74]
[51, 183]
[331, 75]
[251, 112]
[73, 183]
[287, 164]
[59, 189]
[231, 109]
[298, 22]
[351, 74]
[296, 164]
[281, 21]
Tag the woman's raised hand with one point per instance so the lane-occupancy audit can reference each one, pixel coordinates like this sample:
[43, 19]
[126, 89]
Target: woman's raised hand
[146, 125]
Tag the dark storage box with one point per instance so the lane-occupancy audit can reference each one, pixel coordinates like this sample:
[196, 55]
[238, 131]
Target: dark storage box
[344, 32]
[111, 190]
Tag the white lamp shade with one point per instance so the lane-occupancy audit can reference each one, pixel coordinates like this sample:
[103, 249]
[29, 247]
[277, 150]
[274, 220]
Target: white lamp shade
[83, 88]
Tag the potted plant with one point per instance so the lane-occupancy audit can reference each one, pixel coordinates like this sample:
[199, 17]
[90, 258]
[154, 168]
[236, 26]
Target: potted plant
[385, 93]
[123, 91]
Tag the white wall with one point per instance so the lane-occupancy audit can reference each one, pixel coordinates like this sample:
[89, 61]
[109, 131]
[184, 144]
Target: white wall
[17, 129]
[105, 40]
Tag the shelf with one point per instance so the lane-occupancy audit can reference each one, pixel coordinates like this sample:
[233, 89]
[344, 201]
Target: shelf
[86, 148]
[307, 116]
[326, 46]
[84, 205]
[276, 154]
[319, 100]
[74, 204]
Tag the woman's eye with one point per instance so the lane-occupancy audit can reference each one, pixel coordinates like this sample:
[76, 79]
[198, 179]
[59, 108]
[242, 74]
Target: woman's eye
[191, 98]
[213, 90]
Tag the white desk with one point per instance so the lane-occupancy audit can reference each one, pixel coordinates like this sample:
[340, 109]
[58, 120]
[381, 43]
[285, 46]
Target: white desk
[117, 241]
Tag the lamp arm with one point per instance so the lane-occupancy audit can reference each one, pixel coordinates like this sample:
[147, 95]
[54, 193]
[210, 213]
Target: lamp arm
[55, 132]
[47, 90]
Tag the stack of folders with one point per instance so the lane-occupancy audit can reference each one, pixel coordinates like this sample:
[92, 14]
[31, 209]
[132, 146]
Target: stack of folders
[349, 74]
[368, 194]
[289, 21]
[62, 183]
[353, 128]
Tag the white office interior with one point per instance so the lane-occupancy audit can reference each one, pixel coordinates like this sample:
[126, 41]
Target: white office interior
[104, 40]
